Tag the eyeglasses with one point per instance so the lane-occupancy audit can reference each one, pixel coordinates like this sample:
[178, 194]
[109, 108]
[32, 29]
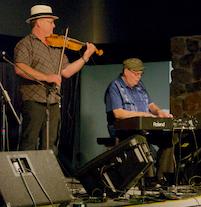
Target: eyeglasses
[136, 73]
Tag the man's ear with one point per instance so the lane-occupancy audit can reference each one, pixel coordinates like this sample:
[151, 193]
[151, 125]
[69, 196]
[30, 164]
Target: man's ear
[126, 71]
[38, 22]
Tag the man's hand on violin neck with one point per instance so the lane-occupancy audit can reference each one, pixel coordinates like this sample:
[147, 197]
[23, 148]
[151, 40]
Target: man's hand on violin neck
[53, 78]
[90, 49]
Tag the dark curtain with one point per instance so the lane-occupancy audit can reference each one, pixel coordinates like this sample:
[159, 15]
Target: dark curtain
[70, 111]
[9, 83]
[69, 115]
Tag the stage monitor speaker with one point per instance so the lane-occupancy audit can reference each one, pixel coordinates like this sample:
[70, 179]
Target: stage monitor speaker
[115, 171]
[32, 178]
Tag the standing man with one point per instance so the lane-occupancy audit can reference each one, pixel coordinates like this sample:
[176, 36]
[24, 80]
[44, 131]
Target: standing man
[35, 58]
[127, 97]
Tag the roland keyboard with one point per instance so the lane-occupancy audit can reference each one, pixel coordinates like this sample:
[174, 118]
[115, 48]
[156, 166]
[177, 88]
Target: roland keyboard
[144, 123]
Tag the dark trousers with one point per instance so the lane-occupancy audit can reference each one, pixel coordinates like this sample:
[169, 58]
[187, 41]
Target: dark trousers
[34, 133]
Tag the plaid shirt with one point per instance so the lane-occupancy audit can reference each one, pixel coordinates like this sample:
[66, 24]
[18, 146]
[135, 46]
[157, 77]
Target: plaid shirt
[32, 52]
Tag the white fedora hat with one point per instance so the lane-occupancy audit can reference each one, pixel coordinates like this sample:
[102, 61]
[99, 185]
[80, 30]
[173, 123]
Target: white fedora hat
[39, 11]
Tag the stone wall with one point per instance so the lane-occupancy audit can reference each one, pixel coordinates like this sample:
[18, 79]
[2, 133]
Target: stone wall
[185, 92]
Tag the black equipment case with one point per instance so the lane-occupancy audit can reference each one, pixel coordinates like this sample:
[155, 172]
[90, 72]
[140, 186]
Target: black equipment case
[115, 171]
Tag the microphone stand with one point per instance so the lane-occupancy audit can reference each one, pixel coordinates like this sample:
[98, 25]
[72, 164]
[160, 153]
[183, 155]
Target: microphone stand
[49, 89]
[5, 98]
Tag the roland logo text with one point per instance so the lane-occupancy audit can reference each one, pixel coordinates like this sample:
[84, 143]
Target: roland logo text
[158, 124]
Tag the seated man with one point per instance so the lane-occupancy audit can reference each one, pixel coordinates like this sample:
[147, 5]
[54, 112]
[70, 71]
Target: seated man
[127, 97]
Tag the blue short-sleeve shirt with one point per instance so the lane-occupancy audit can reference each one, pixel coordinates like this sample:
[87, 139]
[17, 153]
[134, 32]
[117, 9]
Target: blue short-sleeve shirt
[120, 95]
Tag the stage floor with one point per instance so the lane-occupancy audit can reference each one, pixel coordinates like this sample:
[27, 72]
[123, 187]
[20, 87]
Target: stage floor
[182, 196]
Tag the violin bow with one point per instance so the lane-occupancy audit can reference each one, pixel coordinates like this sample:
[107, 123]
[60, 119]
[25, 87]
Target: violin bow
[62, 54]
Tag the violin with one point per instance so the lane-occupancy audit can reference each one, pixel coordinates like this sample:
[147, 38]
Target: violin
[58, 41]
